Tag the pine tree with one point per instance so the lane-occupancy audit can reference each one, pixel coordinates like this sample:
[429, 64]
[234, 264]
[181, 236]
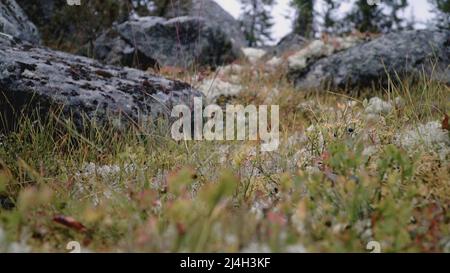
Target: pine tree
[442, 11]
[394, 21]
[141, 7]
[370, 16]
[256, 21]
[329, 16]
[304, 21]
[364, 17]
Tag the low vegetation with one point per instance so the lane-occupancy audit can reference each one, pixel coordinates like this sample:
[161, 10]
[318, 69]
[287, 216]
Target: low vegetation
[349, 170]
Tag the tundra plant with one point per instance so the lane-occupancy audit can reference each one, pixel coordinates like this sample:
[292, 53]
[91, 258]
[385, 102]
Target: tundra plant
[252, 117]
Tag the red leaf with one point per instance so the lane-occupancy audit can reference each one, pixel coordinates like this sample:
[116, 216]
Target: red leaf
[70, 223]
[276, 218]
[181, 229]
[445, 125]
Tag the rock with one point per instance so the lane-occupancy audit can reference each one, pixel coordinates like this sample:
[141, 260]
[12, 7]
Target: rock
[14, 22]
[310, 52]
[33, 78]
[180, 42]
[318, 49]
[231, 73]
[214, 89]
[231, 70]
[275, 62]
[253, 54]
[115, 50]
[290, 43]
[213, 13]
[407, 53]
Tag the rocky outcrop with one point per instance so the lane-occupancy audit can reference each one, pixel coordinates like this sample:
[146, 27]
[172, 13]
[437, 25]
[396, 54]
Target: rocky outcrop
[180, 42]
[34, 78]
[14, 22]
[210, 11]
[405, 54]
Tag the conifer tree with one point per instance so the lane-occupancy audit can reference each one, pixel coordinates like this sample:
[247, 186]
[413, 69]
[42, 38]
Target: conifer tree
[304, 20]
[256, 21]
[442, 12]
[329, 16]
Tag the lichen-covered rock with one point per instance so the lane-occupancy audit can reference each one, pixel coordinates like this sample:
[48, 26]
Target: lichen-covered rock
[14, 22]
[290, 43]
[180, 42]
[210, 11]
[320, 48]
[407, 53]
[214, 89]
[34, 78]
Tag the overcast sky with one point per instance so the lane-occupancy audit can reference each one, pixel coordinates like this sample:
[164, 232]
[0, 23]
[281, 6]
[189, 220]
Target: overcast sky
[283, 13]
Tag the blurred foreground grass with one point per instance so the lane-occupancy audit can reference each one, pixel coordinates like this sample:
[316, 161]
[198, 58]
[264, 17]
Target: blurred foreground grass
[342, 177]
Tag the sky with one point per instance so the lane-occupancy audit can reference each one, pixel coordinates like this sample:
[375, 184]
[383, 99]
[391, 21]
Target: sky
[283, 13]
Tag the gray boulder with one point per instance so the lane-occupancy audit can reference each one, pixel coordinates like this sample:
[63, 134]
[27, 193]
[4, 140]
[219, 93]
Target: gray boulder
[34, 78]
[290, 43]
[14, 22]
[212, 12]
[180, 42]
[406, 54]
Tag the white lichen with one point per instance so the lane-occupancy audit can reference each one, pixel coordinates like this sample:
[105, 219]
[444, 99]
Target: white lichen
[299, 248]
[253, 54]
[230, 70]
[426, 137]
[255, 247]
[377, 106]
[13, 247]
[275, 62]
[105, 177]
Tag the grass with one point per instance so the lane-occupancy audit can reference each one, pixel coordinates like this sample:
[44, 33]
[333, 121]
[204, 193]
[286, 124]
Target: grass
[339, 180]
